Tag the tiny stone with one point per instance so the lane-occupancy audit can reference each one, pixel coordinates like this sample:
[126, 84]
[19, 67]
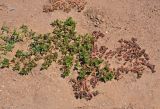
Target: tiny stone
[99, 17]
[91, 17]
[102, 20]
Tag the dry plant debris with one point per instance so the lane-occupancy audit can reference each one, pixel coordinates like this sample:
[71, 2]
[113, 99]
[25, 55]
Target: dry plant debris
[64, 5]
[81, 60]
[133, 57]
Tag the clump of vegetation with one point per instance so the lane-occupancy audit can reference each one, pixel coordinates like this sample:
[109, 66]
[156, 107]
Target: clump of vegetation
[4, 63]
[41, 44]
[11, 38]
[105, 74]
[27, 67]
[16, 67]
[48, 60]
[76, 57]
[21, 54]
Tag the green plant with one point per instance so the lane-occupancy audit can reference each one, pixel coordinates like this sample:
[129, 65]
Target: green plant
[9, 46]
[66, 72]
[16, 67]
[27, 68]
[84, 57]
[82, 74]
[21, 54]
[75, 54]
[107, 77]
[40, 44]
[70, 24]
[4, 63]
[105, 74]
[96, 62]
[48, 60]
[68, 61]
[10, 39]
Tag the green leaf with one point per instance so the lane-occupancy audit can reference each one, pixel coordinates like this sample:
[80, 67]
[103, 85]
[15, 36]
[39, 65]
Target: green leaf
[66, 73]
[68, 61]
[108, 77]
[96, 62]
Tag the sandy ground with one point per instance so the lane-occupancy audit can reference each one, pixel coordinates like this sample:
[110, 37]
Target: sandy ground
[47, 90]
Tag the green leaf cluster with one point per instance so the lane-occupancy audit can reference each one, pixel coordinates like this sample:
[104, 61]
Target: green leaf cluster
[4, 63]
[48, 60]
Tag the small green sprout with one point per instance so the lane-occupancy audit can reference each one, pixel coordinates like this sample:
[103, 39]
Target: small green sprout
[9, 46]
[84, 57]
[68, 61]
[82, 74]
[96, 62]
[4, 63]
[66, 73]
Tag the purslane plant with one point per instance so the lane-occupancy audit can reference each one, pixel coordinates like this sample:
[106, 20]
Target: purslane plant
[75, 54]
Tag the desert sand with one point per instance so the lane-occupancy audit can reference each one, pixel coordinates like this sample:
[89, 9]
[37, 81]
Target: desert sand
[120, 19]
